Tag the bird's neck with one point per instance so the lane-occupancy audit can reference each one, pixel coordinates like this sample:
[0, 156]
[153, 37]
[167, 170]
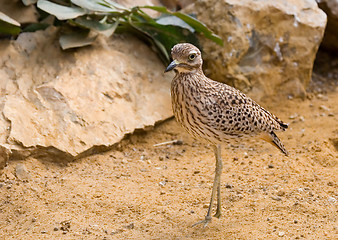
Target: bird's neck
[191, 75]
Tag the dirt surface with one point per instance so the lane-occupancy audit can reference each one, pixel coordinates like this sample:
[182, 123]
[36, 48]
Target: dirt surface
[142, 191]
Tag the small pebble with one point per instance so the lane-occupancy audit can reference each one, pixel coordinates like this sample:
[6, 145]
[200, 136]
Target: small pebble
[43, 231]
[322, 97]
[281, 233]
[178, 142]
[276, 198]
[293, 116]
[162, 183]
[325, 108]
[21, 172]
[130, 226]
[270, 166]
[280, 193]
[56, 229]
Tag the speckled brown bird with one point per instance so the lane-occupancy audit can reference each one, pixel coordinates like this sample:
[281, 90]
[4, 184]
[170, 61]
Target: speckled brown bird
[216, 113]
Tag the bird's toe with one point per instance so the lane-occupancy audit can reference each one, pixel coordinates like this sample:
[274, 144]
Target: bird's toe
[205, 221]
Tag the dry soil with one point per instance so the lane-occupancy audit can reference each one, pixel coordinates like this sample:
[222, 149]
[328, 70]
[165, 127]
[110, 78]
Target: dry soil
[141, 191]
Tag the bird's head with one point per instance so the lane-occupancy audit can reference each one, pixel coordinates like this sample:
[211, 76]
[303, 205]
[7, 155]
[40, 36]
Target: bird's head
[186, 58]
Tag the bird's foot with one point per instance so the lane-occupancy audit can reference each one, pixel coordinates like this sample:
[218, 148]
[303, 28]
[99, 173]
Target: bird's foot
[218, 213]
[204, 222]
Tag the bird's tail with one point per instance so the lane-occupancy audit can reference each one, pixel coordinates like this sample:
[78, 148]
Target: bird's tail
[275, 141]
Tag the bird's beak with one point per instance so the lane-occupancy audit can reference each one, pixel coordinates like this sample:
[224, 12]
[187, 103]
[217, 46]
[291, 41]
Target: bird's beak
[172, 65]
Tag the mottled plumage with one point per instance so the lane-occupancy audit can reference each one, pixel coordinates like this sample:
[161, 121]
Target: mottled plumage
[215, 112]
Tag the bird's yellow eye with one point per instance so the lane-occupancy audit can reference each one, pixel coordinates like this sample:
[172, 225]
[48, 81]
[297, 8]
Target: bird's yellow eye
[192, 56]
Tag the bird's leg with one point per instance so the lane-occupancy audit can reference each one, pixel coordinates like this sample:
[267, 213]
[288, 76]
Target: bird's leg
[219, 208]
[220, 166]
[216, 187]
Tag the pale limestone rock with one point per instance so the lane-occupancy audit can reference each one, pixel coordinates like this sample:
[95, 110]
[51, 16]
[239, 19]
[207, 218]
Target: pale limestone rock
[21, 172]
[330, 7]
[18, 11]
[4, 155]
[266, 43]
[65, 103]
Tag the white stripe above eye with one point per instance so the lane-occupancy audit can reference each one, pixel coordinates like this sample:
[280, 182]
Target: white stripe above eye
[193, 51]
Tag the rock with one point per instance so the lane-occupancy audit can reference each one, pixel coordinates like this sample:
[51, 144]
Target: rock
[130, 226]
[66, 104]
[19, 12]
[22, 173]
[4, 156]
[162, 183]
[276, 198]
[330, 40]
[269, 46]
[325, 108]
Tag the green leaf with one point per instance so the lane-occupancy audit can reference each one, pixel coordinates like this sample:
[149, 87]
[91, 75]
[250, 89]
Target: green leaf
[175, 21]
[164, 37]
[36, 27]
[113, 5]
[194, 23]
[59, 11]
[76, 39]
[93, 5]
[106, 29]
[110, 31]
[163, 50]
[8, 25]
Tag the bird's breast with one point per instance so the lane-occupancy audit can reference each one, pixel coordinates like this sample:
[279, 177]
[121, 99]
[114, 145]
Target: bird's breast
[190, 109]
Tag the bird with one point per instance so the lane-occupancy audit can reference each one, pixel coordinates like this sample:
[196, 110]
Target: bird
[216, 113]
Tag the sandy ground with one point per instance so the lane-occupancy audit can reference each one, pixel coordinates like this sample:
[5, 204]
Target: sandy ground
[140, 191]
